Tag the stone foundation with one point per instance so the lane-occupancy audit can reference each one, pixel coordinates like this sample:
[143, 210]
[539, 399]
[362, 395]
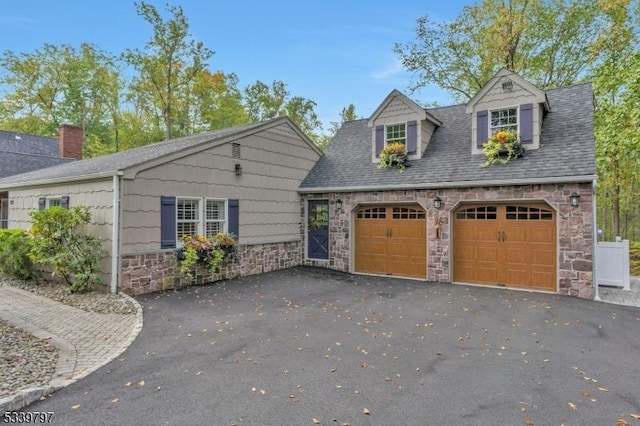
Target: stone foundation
[574, 226]
[142, 273]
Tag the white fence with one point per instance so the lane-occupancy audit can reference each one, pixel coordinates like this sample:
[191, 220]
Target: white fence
[612, 264]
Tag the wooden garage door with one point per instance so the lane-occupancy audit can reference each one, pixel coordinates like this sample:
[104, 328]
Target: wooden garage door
[391, 240]
[505, 244]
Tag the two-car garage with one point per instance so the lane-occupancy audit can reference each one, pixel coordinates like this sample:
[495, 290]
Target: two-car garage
[508, 244]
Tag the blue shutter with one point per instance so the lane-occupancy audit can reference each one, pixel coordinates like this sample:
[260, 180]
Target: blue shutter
[64, 202]
[167, 222]
[234, 218]
[42, 203]
[526, 123]
[482, 131]
[412, 137]
[379, 139]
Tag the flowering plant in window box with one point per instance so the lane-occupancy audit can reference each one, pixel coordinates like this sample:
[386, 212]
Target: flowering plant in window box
[394, 154]
[210, 251]
[502, 148]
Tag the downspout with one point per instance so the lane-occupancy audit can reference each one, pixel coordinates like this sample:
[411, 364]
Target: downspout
[115, 233]
[595, 244]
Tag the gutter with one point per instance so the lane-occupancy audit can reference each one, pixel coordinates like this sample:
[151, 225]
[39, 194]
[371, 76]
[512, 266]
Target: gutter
[115, 232]
[596, 287]
[457, 184]
[65, 179]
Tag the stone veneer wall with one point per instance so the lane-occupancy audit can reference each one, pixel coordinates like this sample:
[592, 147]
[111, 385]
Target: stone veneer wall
[142, 273]
[574, 226]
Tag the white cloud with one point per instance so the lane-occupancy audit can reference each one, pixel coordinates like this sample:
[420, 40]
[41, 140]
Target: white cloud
[391, 70]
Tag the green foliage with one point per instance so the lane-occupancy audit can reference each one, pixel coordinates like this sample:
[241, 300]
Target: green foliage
[394, 155]
[548, 43]
[15, 245]
[634, 255]
[208, 250]
[59, 242]
[501, 148]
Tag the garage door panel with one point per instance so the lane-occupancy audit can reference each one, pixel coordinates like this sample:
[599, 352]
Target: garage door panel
[513, 245]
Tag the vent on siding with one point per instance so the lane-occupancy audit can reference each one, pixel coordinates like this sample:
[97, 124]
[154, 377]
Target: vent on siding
[235, 150]
[507, 86]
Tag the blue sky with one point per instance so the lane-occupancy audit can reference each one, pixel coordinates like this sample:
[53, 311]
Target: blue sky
[332, 52]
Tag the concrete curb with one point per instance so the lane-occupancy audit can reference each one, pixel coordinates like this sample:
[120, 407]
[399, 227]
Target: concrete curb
[67, 362]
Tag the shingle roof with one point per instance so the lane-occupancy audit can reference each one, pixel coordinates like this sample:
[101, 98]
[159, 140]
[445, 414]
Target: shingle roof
[21, 153]
[567, 152]
[99, 166]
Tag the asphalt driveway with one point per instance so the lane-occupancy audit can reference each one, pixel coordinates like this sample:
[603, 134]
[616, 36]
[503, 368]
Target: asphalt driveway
[306, 345]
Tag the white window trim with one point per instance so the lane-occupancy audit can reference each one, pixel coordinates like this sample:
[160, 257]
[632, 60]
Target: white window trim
[200, 220]
[226, 213]
[48, 201]
[517, 108]
[388, 141]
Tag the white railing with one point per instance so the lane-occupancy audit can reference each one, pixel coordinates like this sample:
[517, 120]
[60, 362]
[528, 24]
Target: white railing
[612, 264]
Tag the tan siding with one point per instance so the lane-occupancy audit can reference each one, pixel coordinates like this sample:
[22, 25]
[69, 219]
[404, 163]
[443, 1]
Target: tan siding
[274, 162]
[426, 131]
[396, 112]
[97, 195]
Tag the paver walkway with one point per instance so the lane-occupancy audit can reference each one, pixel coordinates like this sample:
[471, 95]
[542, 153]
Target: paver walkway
[86, 340]
[619, 296]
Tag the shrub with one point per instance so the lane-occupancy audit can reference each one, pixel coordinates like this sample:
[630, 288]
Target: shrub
[59, 242]
[15, 245]
[634, 254]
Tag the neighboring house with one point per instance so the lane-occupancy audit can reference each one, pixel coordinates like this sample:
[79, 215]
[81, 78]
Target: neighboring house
[446, 218]
[21, 153]
[242, 180]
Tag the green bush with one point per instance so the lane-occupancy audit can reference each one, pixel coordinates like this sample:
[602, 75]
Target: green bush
[60, 243]
[15, 245]
[634, 254]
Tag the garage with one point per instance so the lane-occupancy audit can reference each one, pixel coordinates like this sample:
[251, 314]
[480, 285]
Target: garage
[391, 240]
[511, 245]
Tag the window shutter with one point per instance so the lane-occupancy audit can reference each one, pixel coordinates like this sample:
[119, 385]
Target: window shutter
[167, 222]
[526, 123]
[379, 139]
[64, 202]
[42, 203]
[234, 218]
[482, 130]
[412, 137]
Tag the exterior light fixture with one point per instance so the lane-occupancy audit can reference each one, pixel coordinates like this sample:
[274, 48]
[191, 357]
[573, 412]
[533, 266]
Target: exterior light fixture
[575, 199]
[437, 203]
[238, 170]
[339, 204]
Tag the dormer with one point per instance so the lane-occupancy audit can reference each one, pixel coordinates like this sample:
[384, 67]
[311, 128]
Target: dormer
[399, 119]
[507, 102]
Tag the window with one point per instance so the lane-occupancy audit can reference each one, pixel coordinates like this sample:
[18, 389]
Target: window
[504, 119]
[215, 217]
[188, 216]
[54, 202]
[396, 133]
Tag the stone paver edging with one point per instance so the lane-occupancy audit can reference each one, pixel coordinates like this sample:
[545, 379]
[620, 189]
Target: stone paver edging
[86, 341]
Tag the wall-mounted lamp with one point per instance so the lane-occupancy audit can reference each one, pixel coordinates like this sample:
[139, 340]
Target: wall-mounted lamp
[437, 203]
[339, 204]
[575, 199]
[238, 170]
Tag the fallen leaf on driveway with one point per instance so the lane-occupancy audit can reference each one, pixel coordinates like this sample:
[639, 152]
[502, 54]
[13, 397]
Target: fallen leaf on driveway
[603, 389]
[294, 398]
[141, 383]
[584, 393]
[572, 405]
[75, 407]
[635, 416]
[529, 422]
[621, 422]
[315, 421]
[365, 411]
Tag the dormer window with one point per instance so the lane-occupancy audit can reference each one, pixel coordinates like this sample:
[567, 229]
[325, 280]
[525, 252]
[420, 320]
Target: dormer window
[504, 119]
[396, 133]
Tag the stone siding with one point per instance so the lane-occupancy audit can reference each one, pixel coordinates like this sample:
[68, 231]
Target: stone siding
[159, 271]
[574, 227]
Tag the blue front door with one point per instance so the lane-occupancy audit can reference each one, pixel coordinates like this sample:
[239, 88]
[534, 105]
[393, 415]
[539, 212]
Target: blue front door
[318, 229]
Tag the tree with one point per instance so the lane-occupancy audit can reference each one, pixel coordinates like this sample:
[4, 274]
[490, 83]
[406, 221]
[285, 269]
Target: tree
[348, 113]
[264, 103]
[58, 84]
[217, 102]
[546, 42]
[168, 67]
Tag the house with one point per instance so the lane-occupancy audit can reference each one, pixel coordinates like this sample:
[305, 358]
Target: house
[21, 153]
[241, 180]
[528, 224]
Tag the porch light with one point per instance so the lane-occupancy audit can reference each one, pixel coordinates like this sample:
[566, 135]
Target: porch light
[238, 170]
[575, 199]
[339, 204]
[437, 203]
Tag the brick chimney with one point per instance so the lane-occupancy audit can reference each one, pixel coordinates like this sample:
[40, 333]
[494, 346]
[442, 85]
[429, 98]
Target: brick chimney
[70, 142]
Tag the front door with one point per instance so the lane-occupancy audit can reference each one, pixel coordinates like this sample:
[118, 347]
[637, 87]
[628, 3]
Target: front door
[4, 213]
[318, 229]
